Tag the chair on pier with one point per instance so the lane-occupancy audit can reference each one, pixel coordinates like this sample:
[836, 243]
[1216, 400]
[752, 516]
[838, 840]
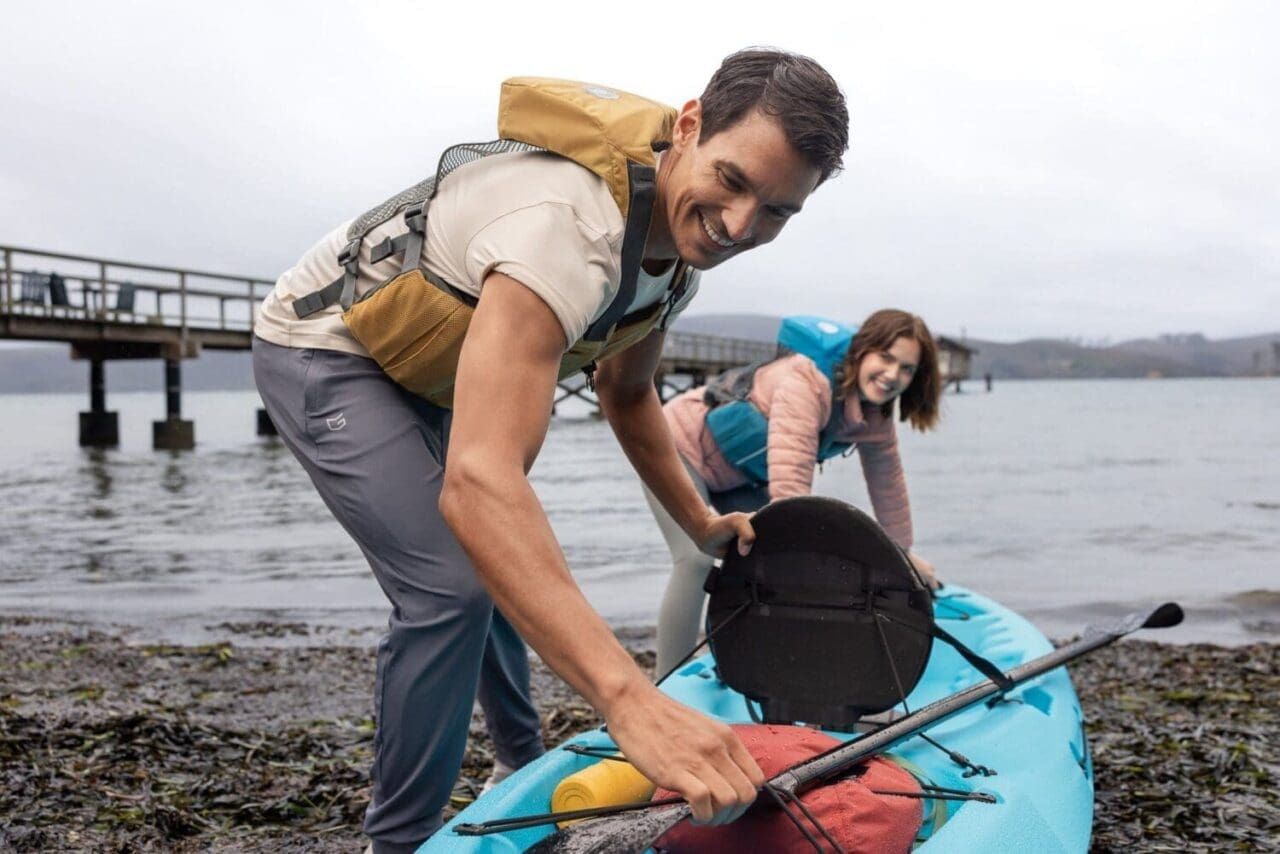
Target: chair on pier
[38, 289]
[58, 291]
[125, 298]
[33, 288]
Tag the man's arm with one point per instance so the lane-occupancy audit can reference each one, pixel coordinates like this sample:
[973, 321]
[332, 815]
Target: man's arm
[624, 385]
[502, 406]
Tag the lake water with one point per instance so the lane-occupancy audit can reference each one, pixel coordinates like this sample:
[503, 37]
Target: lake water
[1070, 501]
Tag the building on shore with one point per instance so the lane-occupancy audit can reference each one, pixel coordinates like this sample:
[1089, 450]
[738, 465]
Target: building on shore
[953, 361]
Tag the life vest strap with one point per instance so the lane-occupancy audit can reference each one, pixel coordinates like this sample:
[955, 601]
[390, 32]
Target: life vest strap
[308, 304]
[408, 245]
[643, 183]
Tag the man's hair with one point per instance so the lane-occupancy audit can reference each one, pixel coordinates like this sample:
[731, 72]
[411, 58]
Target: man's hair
[793, 89]
[919, 403]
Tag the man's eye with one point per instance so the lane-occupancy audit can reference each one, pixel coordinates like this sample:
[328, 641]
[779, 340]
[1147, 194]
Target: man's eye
[778, 213]
[728, 182]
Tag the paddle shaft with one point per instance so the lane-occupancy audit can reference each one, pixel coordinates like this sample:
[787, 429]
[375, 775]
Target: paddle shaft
[840, 759]
[632, 835]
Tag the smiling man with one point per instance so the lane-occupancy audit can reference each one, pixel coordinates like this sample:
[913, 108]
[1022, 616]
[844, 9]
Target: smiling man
[530, 252]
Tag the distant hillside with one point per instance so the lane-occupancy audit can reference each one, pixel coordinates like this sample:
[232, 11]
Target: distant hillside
[49, 368]
[1235, 356]
[1167, 356]
[757, 327]
[1052, 359]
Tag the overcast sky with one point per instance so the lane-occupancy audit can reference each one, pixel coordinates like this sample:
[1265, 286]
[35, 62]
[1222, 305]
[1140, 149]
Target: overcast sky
[1017, 169]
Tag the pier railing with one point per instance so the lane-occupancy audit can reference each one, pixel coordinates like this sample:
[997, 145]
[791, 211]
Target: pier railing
[58, 286]
[713, 352]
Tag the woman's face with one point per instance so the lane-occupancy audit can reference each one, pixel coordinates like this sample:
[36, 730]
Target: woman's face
[885, 374]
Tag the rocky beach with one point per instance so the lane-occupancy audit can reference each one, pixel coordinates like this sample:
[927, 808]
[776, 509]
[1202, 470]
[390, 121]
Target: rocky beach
[252, 744]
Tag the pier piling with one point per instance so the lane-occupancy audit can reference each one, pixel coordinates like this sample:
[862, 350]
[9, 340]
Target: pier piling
[173, 433]
[98, 427]
[266, 427]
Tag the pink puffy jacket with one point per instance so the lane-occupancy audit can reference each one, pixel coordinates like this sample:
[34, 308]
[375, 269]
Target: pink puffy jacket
[796, 398]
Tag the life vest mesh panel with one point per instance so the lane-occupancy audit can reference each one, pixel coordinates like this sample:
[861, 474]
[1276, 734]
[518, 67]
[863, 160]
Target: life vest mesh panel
[453, 157]
[834, 622]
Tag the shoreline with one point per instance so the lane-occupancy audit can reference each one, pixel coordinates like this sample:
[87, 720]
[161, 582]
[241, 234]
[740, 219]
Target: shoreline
[107, 744]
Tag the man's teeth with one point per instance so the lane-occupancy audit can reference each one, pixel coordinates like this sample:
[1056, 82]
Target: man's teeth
[714, 235]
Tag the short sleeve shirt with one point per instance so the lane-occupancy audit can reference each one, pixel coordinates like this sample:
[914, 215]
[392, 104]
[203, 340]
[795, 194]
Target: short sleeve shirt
[539, 218]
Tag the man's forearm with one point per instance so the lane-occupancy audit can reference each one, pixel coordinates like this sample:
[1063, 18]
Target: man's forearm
[502, 527]
[643, 434]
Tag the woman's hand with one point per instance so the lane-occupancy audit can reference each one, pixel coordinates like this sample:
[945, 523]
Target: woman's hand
[926, 570]
[715, 531]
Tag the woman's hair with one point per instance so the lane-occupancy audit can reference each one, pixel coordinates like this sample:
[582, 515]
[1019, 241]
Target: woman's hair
[919, 402]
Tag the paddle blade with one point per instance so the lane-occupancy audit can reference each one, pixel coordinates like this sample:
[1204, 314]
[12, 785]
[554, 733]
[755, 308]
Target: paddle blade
[1167, 615]
[623, 834]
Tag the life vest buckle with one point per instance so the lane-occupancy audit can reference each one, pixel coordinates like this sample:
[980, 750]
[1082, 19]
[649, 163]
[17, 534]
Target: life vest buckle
[349, 254]
[413, 216]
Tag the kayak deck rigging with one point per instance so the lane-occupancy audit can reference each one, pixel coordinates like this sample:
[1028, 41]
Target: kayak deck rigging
[1041, 799]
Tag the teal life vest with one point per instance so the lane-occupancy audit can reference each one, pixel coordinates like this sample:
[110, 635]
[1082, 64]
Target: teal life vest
[740, 429]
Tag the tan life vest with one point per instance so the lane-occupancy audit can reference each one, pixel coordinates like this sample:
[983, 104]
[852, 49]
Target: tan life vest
[414, 324]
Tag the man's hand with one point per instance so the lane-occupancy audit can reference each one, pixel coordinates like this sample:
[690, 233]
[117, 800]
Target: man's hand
[716, 531]
[925, 569]
[682, 750]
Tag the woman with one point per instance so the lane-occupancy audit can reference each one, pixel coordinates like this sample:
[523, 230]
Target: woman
[891, 358]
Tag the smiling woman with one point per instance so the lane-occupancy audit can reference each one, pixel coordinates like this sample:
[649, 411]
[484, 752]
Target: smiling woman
[806, 407]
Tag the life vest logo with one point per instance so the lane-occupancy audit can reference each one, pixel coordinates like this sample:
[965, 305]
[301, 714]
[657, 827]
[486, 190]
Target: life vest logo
[337, 422]
[601, 92]
[827, 327]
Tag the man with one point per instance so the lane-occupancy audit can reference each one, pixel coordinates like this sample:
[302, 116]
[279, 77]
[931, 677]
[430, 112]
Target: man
[530, 237]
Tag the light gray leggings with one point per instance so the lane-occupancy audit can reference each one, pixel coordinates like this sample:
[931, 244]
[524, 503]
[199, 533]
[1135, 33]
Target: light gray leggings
[680, 616]
[376, 455]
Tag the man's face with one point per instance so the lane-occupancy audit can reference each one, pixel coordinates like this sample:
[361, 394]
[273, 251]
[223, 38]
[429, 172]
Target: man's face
[728, 193]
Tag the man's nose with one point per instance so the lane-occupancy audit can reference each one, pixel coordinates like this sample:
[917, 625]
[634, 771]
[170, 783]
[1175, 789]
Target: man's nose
[740, 221]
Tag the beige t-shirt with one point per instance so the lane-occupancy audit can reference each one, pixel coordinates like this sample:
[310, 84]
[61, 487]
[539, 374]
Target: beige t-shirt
[539, 218]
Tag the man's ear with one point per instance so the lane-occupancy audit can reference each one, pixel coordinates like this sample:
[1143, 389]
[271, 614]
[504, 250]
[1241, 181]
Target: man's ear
[688, 125]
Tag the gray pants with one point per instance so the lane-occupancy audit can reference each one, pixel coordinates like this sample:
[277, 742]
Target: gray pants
[376, 454]
[680, 614]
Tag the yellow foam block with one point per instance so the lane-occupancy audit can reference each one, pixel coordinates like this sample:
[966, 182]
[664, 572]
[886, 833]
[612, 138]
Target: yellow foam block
[607, 783]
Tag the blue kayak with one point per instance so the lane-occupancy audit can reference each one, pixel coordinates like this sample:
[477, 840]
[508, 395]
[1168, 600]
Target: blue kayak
[1033, 739]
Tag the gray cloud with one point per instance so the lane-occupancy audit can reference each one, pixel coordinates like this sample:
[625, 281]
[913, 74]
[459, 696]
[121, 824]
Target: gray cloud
[1096, 171]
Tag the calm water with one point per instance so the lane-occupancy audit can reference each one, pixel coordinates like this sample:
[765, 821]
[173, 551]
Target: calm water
[1069, 501]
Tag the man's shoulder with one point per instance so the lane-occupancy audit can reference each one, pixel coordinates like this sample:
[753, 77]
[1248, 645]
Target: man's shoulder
[523, 179]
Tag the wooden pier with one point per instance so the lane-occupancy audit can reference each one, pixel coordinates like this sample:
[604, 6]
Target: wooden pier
[687, 360]
[953, 362]
[108, 309]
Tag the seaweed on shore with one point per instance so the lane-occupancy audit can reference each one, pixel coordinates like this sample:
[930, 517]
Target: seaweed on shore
[1186, 746]
[106, 746]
